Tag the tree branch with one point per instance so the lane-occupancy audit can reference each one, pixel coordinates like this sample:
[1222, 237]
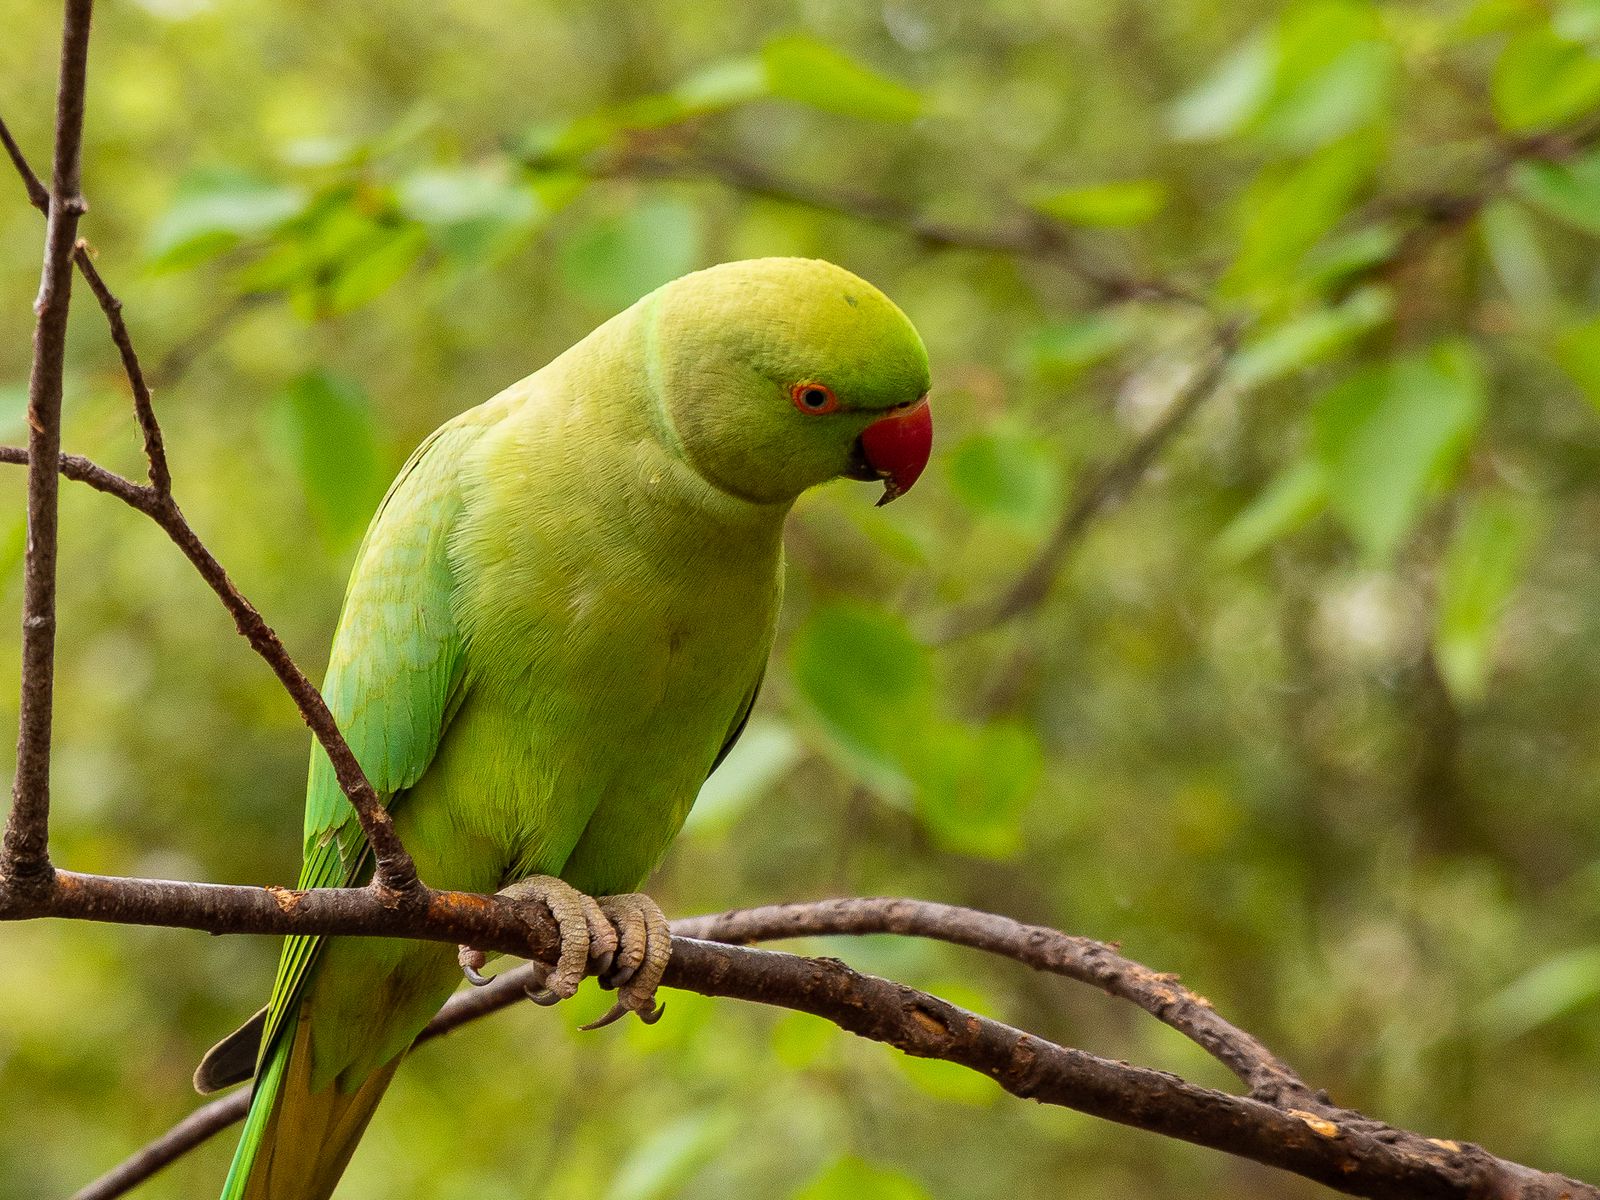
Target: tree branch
[1298, 1131]
[25, 851]
[1088, 961]
[394, 875]
[144, 409]
[1106, 488]
[1027, 235]
[1283, 1123]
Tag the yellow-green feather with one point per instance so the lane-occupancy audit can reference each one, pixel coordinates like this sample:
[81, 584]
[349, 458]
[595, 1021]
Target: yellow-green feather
[555, 628]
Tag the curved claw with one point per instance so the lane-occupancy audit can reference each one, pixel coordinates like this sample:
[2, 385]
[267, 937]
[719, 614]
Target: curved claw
[471, 960]
[644, 948]
[544, 997]
[613, 1014]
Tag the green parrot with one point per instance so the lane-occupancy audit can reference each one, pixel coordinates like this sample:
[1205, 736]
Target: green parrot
[555, 629]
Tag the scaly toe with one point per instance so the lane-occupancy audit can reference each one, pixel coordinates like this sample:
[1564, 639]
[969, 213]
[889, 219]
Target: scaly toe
[576, 915]
[645, 946]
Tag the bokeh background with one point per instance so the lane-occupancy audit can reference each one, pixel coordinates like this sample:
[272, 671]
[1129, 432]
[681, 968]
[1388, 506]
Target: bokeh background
[1308, 719]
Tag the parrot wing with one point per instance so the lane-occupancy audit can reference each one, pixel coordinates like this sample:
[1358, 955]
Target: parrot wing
[394, 676]
[736, 730]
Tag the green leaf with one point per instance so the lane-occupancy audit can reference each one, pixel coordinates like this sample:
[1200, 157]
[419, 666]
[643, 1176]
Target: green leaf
[1230, 96]
[1518, 258]
[1013, 476]
[472, 213]
[1577, 20]
[1543, 80]
[1569, 192]
[869, 683]
[1131, 202]
[1287, 210]
[662, 1160]
[1577, 349]
[616, 258]
[215, 209]
[1308, 339]
[1286, 504]
[1556, 988]
[1481, 569]
[851, 1178]
[1353, 253]
[1387, 434]
[1484, 17]
[445, 196]
[1333, 73]
[377, 265]
[1060, 351]
[763, 755]
[723, 85]
[331, 436]
[715, 88]
[810, 72]
[973, 785]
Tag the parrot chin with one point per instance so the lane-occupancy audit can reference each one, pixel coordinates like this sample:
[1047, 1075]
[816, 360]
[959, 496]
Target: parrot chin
[894, 449]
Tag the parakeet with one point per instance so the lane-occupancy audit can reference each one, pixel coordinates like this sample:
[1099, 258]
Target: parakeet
[555, 629]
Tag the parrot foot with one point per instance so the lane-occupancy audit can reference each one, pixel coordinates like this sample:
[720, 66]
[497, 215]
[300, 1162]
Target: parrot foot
[586, 934]
[645, 946]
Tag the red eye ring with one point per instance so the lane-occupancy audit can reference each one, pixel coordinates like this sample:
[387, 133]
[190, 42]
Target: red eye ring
[813, 398]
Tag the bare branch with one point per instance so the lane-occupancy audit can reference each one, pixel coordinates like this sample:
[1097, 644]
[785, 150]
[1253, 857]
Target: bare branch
[1298, 1133]
[1027, 235]
[194, 1130]
[1105, 489]
[155, 450]
[144, 410]
[1083, 959]
[394, 873]
[25, 851]
[38, 194]
[82, 470]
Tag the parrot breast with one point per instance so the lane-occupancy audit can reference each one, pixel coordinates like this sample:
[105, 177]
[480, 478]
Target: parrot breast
[615, 628]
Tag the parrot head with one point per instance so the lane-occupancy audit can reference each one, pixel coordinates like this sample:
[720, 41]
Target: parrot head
[777, 374]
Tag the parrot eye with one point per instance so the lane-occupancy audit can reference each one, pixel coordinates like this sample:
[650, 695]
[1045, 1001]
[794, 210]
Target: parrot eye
[813, 397]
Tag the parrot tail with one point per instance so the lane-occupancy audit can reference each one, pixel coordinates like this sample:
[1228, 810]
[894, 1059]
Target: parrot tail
[296, 1142]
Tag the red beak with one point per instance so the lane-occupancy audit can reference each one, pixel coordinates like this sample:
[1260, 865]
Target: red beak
[897, 447]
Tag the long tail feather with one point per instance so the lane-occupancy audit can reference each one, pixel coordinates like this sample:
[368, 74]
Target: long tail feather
[296, 1142]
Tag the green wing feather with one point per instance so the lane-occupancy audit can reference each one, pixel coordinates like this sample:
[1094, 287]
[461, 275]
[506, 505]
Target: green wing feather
[393, 676]
[736, 730]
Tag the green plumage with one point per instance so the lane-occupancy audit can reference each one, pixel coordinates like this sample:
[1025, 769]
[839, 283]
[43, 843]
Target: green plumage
[556, 625]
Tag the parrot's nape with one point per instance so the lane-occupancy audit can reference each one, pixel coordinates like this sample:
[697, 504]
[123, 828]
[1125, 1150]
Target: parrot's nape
[555, 629]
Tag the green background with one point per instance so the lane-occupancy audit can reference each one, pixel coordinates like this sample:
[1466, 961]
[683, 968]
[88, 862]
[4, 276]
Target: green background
[1308, 720]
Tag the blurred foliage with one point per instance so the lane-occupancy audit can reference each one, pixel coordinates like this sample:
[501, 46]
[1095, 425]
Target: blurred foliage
[1308, 719]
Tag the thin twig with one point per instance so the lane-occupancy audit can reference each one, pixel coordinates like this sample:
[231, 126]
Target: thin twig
[1105, 489]
[38, 194]
[143, 407]
[1027, 235]
[394, 872]
[83, 470]
[155, 451]
[25, 851]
